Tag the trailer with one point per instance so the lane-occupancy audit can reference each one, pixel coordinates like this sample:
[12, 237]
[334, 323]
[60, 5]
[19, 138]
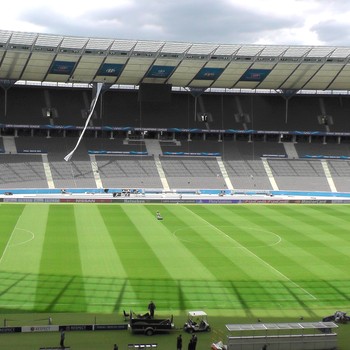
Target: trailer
[148, 326]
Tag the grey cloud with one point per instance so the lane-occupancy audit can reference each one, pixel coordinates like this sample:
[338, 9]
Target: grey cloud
[181, 20]
[333, 33]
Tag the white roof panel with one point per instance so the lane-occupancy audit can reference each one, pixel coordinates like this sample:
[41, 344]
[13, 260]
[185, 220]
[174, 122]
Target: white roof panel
[226, 50]
[269, 51]
[340, 52]
[73, 43]
[320, 51]
[123, 45]
[247, 50]
[99, 44]
[48, 40]
[179, 48]
[297, 67]
[149, 46]
[23, 38]
[202, 49]
[5, 36]
[297, 51]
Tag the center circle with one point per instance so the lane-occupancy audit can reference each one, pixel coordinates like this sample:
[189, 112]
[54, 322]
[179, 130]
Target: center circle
[226, 235]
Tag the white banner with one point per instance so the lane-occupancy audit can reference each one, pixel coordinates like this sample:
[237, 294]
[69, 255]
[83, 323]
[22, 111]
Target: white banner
[32, 329]
[92, 108]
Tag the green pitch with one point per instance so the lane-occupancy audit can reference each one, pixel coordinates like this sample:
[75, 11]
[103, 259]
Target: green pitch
[230, 260]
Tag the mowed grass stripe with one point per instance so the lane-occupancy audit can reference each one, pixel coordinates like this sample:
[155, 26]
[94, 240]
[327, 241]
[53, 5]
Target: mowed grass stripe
[226, 219]
[21, 262]
[333, 228]
[194, 262]
[235, 293]
[61, 286]
[295, 243]
[147, 277]
[217, 253]
[269, 271]
[309, 242]
[298, 240]
[9, 215]
[249, 296]
[189, 280]
[103, 273]
[174, 256]
[98, 255]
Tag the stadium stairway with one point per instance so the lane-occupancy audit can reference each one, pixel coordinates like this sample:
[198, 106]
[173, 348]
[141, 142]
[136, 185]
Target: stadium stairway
[95, 171]
[48, 173]
[328, 175]
[290, 150]
[224, 173]
[9, 144]
[270, 174]
[153, 148]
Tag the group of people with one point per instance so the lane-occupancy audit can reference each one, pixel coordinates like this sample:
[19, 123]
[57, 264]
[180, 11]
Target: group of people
[191, 344]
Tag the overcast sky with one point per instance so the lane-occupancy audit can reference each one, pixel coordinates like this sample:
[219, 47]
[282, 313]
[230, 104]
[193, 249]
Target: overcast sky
[290, 22]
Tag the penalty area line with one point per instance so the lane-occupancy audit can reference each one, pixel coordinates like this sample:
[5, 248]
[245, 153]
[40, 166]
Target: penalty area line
[256, 257]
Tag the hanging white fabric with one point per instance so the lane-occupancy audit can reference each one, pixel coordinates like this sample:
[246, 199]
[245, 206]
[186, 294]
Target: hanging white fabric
[92, 109]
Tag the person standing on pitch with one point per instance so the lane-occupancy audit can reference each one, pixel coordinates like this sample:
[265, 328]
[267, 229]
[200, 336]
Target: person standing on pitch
[179, 342]
[151, 308]
[63, 336]
[190, 344]
[194, 341]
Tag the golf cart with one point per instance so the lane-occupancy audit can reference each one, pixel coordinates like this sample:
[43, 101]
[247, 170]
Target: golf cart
[197, 322]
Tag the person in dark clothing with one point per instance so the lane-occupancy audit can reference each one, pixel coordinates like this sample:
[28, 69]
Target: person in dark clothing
[151, 308]
[179, 342]
[190, 344]
[264, 347]
[63, 336]
[115, 347]
[194, 341]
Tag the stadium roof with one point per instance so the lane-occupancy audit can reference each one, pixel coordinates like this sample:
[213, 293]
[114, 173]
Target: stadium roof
[67, 59]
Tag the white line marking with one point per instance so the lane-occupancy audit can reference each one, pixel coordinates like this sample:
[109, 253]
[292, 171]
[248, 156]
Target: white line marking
[256, 256]
[27, 240]
[8, 242]
[184, 228]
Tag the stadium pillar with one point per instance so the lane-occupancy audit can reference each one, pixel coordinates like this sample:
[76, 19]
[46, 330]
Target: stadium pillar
[287, 94]
[6, 84]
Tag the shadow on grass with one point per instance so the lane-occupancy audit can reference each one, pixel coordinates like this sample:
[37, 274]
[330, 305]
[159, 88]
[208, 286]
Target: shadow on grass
[58, 293]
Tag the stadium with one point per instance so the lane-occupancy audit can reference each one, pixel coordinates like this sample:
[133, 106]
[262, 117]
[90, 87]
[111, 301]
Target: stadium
[199, 176]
